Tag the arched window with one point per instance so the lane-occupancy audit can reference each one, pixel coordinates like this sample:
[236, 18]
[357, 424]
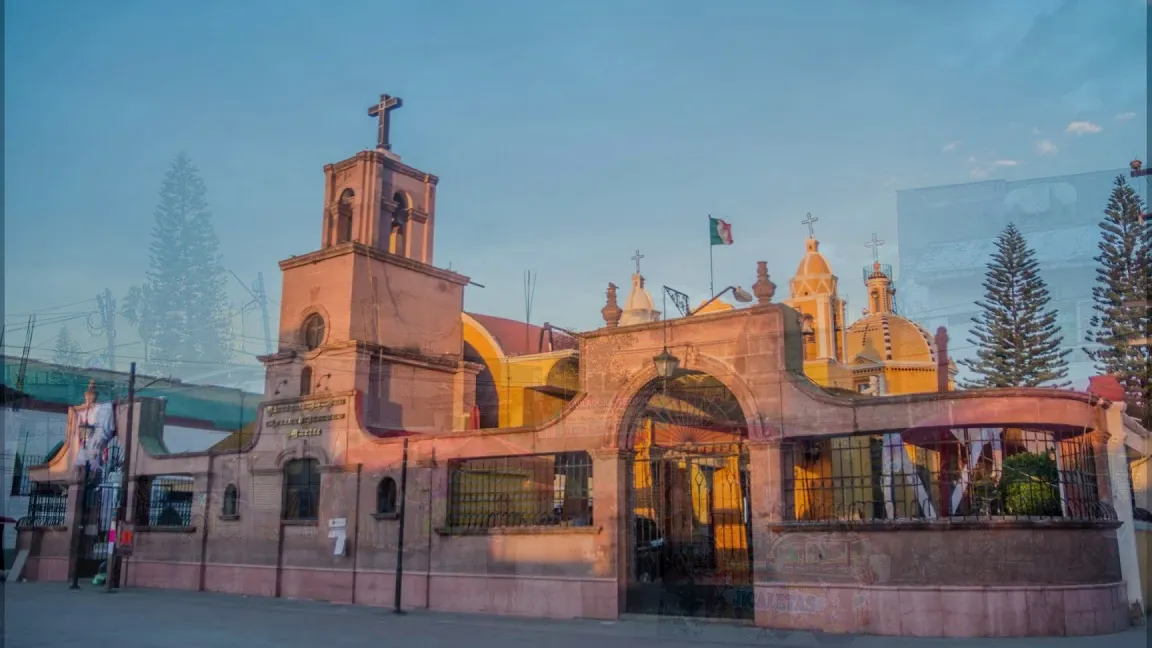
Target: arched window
[313, 330]
[306, 381]
[397, 243]
[344, 217]
[301, 490]
[231, 497]
[386, 496]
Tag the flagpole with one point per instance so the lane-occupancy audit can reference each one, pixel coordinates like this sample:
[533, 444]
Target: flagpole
[711, 281]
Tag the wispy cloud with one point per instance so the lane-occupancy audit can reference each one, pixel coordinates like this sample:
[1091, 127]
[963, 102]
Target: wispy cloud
[1125, 116]
[982, 169]
[1035, 130]
[1046, 147]
[1083, 128]
[890, 181]
[951, 146]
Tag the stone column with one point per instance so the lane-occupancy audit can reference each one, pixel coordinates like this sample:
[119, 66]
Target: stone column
[1100, 442]
[610, 515]
[73, 518]
[1120, 486]
[767, 495]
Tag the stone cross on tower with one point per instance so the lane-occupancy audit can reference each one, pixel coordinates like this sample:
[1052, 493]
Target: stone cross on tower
[875, 244]
[381, 112]
[637, 258]
[809, 221]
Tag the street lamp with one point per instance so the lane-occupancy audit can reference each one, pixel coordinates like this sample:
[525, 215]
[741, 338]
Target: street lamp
[666, 364]
[739, 293]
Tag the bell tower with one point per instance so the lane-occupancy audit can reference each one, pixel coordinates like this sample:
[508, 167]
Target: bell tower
[368, 315]
[374, 199]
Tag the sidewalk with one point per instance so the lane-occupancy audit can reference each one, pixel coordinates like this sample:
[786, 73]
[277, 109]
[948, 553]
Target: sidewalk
[49, 615]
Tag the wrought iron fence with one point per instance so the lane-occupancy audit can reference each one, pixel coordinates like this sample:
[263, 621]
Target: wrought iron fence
[521, 491]
[951, 473]
[164, 501]
[47, 505]
[21, 481]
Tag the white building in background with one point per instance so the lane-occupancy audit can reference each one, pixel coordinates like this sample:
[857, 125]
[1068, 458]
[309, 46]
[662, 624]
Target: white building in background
[947, 236]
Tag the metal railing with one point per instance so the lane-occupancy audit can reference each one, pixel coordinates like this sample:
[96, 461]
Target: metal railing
[47, 505]
[961, 473]
[521, 491]
[21, 482]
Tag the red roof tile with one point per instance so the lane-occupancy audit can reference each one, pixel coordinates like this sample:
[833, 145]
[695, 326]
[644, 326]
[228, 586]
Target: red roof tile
[519, 338]
[1106, 387]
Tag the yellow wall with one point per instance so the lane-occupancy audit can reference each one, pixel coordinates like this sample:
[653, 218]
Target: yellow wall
[489, 349]
[514, 377]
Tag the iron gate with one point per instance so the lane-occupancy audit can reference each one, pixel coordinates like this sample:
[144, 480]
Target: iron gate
[99, 511]
[690, 532]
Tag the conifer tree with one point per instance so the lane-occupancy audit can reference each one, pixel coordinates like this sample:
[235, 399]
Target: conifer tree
[181, 311]
[67, 351]
[1122, 275]
[1017, 340]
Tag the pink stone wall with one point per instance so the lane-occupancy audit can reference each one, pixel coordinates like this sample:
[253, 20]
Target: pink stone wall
[942, 611]
[571, 572]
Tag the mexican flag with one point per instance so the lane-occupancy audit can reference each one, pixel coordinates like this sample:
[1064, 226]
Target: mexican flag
[720, 231]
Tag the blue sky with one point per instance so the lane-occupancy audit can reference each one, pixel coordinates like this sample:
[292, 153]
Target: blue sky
[566, 135]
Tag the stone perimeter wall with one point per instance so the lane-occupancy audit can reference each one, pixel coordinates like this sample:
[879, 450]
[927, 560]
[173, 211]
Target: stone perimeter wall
[565, 573]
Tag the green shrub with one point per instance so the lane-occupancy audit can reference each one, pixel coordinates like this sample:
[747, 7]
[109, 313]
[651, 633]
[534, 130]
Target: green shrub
[1030, 484]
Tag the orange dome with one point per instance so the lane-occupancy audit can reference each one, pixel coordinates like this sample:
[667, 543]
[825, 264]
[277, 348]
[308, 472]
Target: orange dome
[887, 337]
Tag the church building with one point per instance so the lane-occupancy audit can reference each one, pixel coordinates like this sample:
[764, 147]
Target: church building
[720, 463]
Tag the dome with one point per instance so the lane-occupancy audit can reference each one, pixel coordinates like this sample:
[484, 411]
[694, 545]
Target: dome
[886, 337]
[639, 307]
[813, 262]
[639, 299]
[813, 275]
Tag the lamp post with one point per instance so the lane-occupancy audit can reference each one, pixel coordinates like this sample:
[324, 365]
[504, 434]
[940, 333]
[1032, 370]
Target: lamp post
[666, 364]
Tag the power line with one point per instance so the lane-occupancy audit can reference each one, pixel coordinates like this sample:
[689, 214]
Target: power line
[49, 308]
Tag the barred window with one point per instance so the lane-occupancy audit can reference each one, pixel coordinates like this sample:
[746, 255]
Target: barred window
[301, 490]
[164, 500]
[519, 491]
[930, 474]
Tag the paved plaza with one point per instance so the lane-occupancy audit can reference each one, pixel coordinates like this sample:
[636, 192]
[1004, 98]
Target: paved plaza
[49, 615]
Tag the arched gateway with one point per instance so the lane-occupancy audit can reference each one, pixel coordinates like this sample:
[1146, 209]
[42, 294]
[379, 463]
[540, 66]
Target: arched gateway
[688, 509]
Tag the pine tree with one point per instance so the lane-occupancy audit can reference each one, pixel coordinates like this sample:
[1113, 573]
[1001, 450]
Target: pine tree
[67, 352]
[1018, 342]
[1122, 274]
[181, 311]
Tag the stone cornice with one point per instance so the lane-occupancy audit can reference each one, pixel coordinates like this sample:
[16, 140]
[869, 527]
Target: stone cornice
[389, 163]
[410, 357]
[375, 255]
[283, 356]
[680, 321]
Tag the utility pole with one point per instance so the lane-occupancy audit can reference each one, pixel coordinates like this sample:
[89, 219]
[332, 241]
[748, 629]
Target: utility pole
[107, 307]
[399, 592]
[113, 569]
